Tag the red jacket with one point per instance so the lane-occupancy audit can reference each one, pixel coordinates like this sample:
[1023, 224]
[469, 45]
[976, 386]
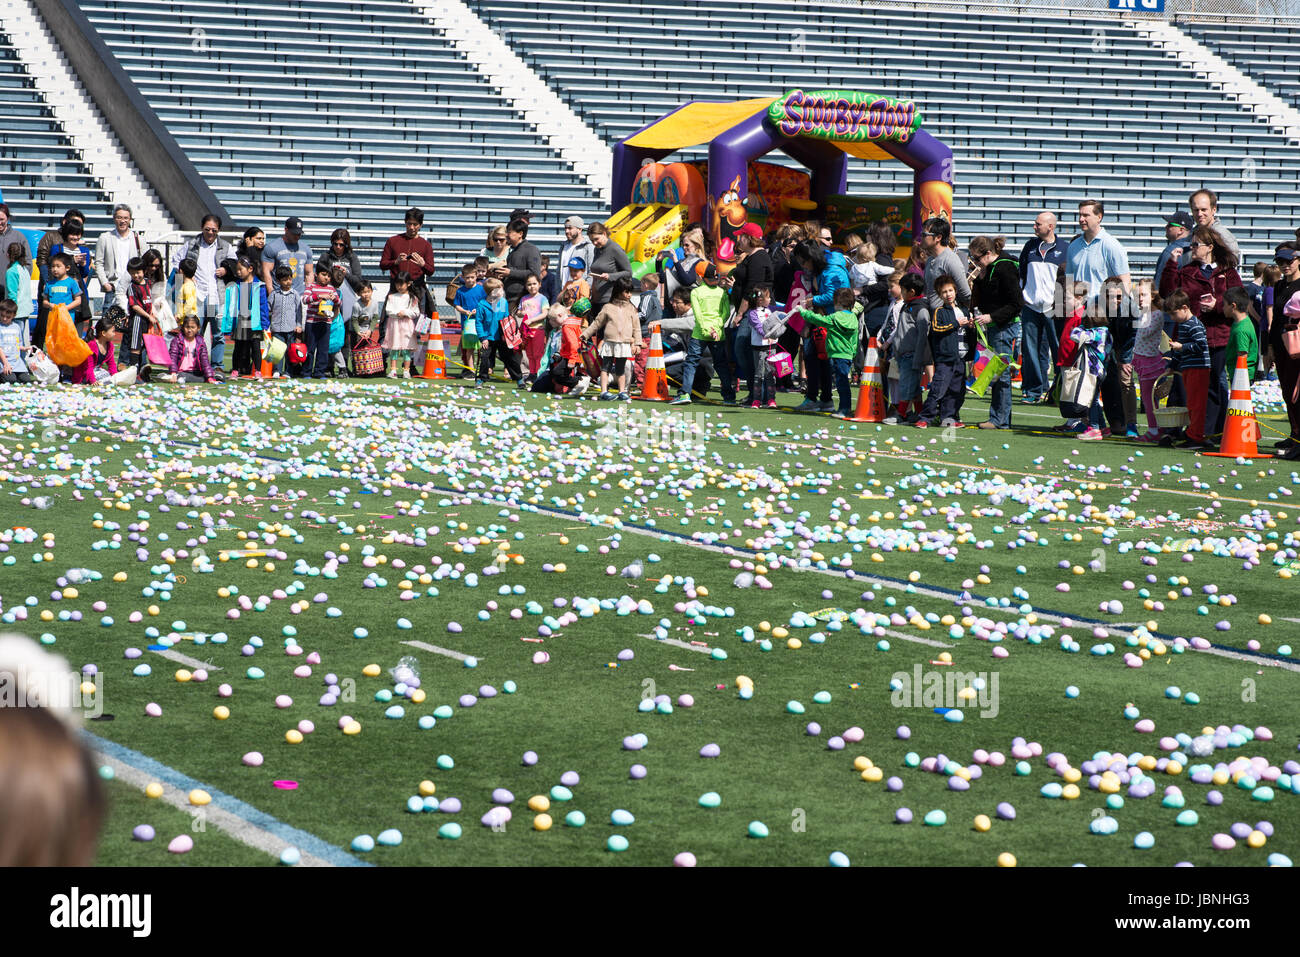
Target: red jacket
[399, 244]
[1191, 280]
[1068, 347]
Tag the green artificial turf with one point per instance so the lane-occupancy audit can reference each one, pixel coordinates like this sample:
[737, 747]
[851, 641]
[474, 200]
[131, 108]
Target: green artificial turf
[371, 461]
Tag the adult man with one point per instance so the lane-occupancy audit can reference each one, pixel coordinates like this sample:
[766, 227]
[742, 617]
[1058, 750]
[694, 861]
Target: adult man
[523, 260]
[289, 250]
[208, 251]
[1178, 231]
[1204, 204]
[115, 249]
[941, 260]
[409, 252]
[1040, 261]
[576, 244]
[9, 236]
[1095, 255]
[54, 237]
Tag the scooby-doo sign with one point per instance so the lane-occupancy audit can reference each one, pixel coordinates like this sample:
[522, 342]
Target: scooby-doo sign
[845, 116]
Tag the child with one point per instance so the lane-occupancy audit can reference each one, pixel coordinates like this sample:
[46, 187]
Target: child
[841, 341]
[865, 270]
[1093, 337]
[481, 268]
[15, 344]
[620, 328]
[650, 308]
[285, 306]
[1242, 339]
[81, 262]
[364, 324]
[321, 304]
[490, 317]
[576, 286]
[61, 290]
[564, 372]
[550, 281]
[401, 310]
[100, 365]
[909, 347]
[342, 355]
[186, 293]
[468, 296]
[139, 320]
[1191, 357]
[711, 307]
[18, 284]
[1148, 363]
[1076, 304]
[760, 345]
[950, 333]
[247, 315]
[532, 321]
[189, 354]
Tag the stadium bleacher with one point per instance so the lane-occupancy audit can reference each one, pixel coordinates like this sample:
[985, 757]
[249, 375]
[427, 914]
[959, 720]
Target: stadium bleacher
[342, 113]
[42, 173]
[1272, 63]
[1040, 108]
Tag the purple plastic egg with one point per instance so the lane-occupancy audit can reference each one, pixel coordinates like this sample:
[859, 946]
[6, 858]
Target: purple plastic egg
[903, 816]
[637, 772]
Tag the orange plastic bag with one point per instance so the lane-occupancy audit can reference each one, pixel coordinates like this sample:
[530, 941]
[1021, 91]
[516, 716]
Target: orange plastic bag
[62, 344]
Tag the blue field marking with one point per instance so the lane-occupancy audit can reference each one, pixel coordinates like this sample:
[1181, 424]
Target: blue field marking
[308, 843]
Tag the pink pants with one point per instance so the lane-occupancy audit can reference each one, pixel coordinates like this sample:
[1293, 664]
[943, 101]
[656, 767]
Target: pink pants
[534, 348]
[1149, 369]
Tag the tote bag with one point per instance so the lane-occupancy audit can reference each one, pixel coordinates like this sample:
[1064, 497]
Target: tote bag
[1078, 384]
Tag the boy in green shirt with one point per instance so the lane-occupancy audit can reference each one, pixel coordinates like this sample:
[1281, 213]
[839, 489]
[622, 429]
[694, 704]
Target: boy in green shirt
[712, 308]
[841, 341]
[1242, 339]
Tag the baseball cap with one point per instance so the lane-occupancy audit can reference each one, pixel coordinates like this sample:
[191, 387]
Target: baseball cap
[577, 262]
[1284, 254]
[710, 273]
[293, 225]
[751, 230]
[1180, 219]
[575, 221]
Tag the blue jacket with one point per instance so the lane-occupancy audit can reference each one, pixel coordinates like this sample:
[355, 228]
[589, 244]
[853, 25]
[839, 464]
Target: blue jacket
[488, 317]
[834, 276]
[260, 309]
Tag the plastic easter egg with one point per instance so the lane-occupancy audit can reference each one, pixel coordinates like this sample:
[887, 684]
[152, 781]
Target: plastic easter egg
[710, 799]
[757, 829]
[616, 843]
[982, 822]
[575, 819]
[936, 818]
[687, 859]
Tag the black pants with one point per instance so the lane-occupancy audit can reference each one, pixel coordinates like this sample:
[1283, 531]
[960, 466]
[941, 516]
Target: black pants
[1216, 406]
[817, 373]
[1112, 402]
[1288, 374]
[947, 391]
[248, 356]
[488, 359]
[11, 377]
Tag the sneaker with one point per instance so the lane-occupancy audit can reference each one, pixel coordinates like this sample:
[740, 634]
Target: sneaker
[730, 403]
[623, 397]
[392, 375]
[747, 400]
[1291, 454]
[755, 404]
[921, 424]
[1288, 443]
[1166, 441]
[1105, 432]
[682, 399]
[1131, 432]
[477, 383]
[826, 407]
[1090, 435]
[992, 425]
[1151, 438]
[952, 424]
[843, 414]
[234, 375]
[256, 375]
[605, 397]
[581, 387]
[1073, 425]
[771, 404]
[889, 420]
[406, 374]
[808, 405]
[1032, 400]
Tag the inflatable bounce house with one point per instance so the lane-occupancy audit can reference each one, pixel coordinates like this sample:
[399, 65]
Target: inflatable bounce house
[820, 130]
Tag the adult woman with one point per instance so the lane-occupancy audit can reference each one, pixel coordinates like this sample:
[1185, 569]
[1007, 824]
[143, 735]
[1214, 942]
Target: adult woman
[829, 272]
[753, 268]
[996, 294]
[1287, 257]
[1211, 272]
[782, 254]
[682, 274]
[610, 263]
[340, 254]
[251, 246]
[156, 277]
[497, 248]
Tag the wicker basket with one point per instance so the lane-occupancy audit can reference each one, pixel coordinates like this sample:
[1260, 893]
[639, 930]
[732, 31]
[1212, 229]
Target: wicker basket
[1170, 416]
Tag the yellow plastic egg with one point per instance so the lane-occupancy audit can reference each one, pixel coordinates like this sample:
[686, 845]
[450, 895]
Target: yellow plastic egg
[371, 671]
[794, 644]
[1256, 839]
[427, 788]
[542, 822]
[221, 712]
[861, 763]
[779, 632]
[418, 696]
[764, 626]
[199, 797]
[1072, 775]
[153, 790]
[293, 736]
[1006, 859]
[872, 774]
[945, 656]
[183, 675]
[744, 681]
[352, 727]
[1070, 792]
[1220, 778]
[982, 822]
[539, 802]
[1173, 767]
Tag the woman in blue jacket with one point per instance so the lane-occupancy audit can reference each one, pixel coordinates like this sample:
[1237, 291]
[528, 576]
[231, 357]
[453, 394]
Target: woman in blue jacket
[829, 271]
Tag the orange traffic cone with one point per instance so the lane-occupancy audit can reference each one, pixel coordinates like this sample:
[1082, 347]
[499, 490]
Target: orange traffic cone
[435, 362]
[871, 397]
[1240, 430]
[655, 387]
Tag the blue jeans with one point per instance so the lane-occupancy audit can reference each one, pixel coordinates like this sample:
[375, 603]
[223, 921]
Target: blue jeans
[1038, 352]
[1096, 416]
[909, 379]
[721, 365]
[318, 350]
[843, 367]
[1002, 342]
[287, 339]
[738, 350]
[217, 351]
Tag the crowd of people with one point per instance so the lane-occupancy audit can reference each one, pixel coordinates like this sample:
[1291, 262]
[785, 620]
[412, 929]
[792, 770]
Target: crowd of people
[794, 312]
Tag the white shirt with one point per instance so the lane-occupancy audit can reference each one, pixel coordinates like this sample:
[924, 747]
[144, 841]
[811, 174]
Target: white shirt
[123, 252]
[205, 275]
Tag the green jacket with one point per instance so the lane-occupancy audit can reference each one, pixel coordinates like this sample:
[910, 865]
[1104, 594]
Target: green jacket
[841, 330]
[1242, 339]
[712, 308]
